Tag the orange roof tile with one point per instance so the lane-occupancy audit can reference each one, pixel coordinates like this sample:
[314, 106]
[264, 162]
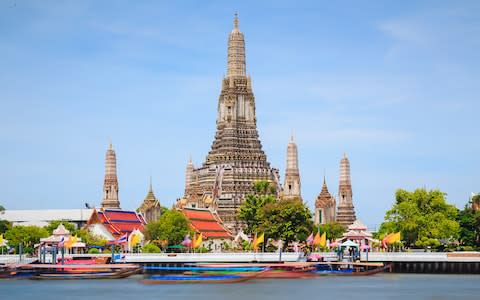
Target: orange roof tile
[204, 221]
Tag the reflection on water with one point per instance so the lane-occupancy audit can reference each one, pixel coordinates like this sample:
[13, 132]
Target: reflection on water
[383, 286]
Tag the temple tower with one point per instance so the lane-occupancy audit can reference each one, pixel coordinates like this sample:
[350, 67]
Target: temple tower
[236, 159]
[324, 206]
[188, 177]
[291, 187]
[346, 211]
[110, 183]
[150, 208]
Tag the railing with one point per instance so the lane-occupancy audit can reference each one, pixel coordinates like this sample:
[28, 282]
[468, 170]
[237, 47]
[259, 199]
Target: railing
[422, 256]
[9, 259]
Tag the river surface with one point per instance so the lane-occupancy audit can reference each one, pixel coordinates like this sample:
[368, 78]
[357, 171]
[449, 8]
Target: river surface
[381, 286]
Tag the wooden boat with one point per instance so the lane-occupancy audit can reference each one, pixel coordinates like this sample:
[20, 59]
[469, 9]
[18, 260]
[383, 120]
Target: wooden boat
[199, 278]
[86, 275]
[354, 272]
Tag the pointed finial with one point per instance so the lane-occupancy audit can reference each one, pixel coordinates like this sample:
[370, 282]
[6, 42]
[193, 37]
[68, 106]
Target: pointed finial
[110, 147]
[235, 21]
[150, 187]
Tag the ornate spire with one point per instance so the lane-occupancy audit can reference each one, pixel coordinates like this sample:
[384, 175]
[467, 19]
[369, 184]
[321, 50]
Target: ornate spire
[292, 158]
[236, 52]
[110, 183]
[292, 173]
[188, 176]
[324, 206]
[345, 187]
[150, 208]
[235, 21]
[346, 211]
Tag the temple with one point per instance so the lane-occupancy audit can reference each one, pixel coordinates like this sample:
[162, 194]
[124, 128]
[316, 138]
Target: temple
[325, 206]
[150, 208]
[112, 223]
[291, 187]
[208, 224]
[236, 159]
[110, 183]
[346, 211]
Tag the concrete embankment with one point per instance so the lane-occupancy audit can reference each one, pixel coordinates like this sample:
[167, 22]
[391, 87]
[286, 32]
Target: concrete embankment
[429, 262]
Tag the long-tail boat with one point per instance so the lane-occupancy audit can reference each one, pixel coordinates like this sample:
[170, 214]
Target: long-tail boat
[115, 274]
[175, 279]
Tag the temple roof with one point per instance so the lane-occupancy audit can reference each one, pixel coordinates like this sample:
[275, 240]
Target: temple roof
[207, 223]
[325, 199]
[357, 225]
[118, 222]
[149, 201]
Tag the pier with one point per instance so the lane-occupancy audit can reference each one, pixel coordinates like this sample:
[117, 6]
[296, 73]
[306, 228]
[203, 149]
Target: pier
[402, 262]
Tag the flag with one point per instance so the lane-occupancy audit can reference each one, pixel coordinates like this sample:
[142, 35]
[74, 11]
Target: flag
[61, 243]
[310, 239]
[395, 237]
[69, 242]
[187, 242]
[323, 240]
[198, 241]
[121, 240]
[386, 240]
[258, 240]
[134, 239]
[317, 239]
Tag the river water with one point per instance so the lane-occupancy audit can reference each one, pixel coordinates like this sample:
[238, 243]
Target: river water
[381, 286]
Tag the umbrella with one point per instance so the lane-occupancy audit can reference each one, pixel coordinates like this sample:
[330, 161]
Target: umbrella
[349, 243]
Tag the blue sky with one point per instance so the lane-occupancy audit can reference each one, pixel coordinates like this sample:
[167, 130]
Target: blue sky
[394, 84]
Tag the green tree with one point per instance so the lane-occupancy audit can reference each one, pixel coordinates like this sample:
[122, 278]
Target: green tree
[91, 239]
[333, 230]
[151, 248]
[288, 220]
[28, 235]
[171, 226]
[4, 226]
[52, 225]
[421, 216]
[250, 209]
[469, 220]
[2, 209]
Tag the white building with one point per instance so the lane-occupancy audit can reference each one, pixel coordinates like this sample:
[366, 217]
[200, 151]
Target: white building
[41, 217]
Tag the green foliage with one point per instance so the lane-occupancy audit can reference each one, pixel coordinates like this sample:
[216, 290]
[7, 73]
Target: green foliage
[469, 221]
[91, 239]
[2, 209]
[151, 248]
[172, 226]
[421, 216]
[93, 251]
[246, 245]
[250, 209]
[476, 198]
[333, 230]
[52, 225]
[202, 250]
[287, 220]
[425, 242]
[28, 235]
[4, 226]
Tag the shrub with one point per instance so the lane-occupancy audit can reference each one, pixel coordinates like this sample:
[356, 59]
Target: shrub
[93, 251]
[151, 248]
